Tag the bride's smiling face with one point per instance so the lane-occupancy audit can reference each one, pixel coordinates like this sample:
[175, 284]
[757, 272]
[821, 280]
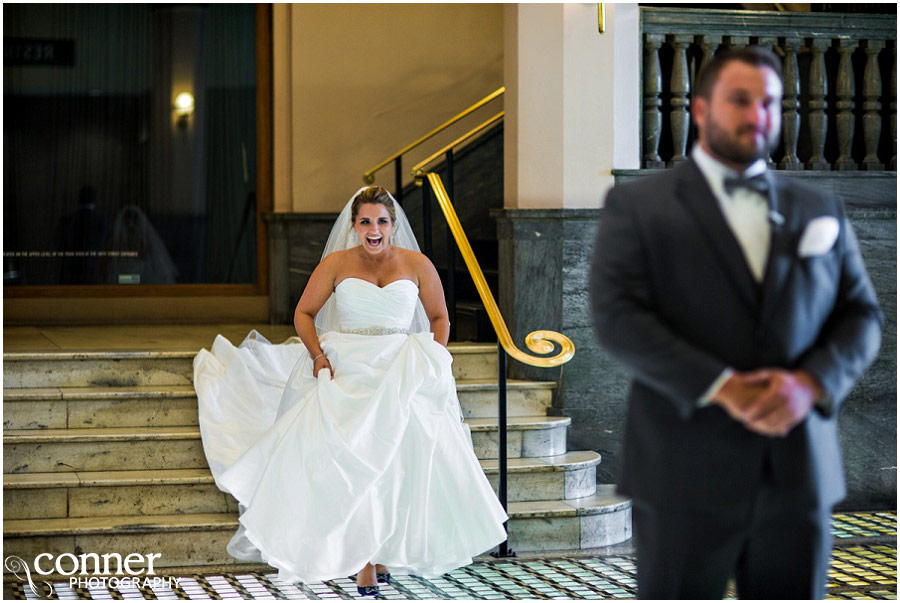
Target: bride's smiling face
[373, 226]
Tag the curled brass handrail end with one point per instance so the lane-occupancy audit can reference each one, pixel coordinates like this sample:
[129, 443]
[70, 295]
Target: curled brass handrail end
[369, 178]
[542, 342]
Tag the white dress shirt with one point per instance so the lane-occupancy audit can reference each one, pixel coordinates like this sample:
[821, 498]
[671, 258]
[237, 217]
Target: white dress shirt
[745, 210]
[747, 213]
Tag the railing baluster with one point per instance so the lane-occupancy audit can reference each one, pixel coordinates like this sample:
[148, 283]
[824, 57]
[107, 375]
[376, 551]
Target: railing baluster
[652, 113]
[708, 44]
[872, 106]
[451, 253]
[680, 86]
[894, 109]
[398, 179]
[846, 90]
[791, 103]
[737, 41]
[818, 90]
[769, 44]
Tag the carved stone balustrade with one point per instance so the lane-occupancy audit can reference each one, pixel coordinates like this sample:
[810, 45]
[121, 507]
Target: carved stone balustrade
[840, 83]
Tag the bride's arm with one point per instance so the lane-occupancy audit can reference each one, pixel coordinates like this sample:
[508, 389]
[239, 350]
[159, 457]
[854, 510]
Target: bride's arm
[432, 295]
[316, 293]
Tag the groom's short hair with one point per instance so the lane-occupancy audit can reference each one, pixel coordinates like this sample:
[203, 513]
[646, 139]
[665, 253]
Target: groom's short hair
[752, 55]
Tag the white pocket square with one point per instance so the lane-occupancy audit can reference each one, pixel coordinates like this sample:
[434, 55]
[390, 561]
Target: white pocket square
[819, 236]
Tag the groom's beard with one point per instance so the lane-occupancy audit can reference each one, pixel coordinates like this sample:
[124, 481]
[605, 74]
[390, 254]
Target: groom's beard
[729, 147]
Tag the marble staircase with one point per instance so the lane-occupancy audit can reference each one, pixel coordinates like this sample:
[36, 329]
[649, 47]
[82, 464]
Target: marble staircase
[102, 453]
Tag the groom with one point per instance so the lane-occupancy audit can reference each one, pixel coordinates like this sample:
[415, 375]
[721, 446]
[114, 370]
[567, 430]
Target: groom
[739, 301]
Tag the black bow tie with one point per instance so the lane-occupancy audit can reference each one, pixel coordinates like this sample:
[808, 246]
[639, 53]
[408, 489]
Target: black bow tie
[758, 183]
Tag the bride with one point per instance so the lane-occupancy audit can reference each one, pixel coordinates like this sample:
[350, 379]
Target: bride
[347, 452]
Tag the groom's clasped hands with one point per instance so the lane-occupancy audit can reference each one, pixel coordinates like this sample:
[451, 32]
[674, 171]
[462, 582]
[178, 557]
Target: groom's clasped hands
[769, 401]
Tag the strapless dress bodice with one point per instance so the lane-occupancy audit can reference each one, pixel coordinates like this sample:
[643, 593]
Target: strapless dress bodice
[366, 308]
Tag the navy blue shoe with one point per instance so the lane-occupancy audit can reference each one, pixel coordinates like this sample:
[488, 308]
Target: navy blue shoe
[384, 577]
[368, 591]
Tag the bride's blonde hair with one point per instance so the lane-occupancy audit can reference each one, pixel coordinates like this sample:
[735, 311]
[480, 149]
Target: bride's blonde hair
[373, 194]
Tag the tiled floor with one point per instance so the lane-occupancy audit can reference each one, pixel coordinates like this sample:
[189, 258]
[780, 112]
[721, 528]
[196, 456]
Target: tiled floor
[865, 525]
[864, 566]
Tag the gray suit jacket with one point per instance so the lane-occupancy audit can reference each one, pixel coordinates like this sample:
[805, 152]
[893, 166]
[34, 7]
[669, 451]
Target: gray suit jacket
[674, 300]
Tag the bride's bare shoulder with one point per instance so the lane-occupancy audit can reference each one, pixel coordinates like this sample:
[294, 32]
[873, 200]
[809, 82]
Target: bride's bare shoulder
[418, 263]
[413, 260]
[411, 256]
[336, 263]
[336, 258]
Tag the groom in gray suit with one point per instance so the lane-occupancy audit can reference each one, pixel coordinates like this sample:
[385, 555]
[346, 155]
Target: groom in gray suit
[739, 302]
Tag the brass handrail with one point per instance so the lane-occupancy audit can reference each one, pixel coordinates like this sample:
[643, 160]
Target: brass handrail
[540, 342]
[369, 176]
[417, 169]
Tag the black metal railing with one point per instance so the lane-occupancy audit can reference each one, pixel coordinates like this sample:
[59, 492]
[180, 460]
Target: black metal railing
[540, 342]
[446, 153]
[397, 158]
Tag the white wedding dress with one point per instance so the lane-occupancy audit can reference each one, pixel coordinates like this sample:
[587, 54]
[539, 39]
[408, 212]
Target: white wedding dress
[375, 465]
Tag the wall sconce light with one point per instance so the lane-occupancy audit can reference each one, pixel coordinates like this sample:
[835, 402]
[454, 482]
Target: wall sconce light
[184, 108]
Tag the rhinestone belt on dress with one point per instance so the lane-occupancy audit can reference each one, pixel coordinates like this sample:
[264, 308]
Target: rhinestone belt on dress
[376, 331]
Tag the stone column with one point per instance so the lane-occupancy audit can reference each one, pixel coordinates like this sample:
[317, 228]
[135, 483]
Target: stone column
[566, 126]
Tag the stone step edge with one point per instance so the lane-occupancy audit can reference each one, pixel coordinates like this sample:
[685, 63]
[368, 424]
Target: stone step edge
[124, 434]
[454, 348]
[176, 477]
[518, 423]
[131, 524]
[187, 391]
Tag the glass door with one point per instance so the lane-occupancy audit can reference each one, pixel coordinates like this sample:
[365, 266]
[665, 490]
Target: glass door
[131, 149]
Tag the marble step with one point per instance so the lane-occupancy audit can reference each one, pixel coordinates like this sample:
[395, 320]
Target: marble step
[187, 491]
[200, 539]
[526, 437]
[156, 367]
[136, 448]
[176, 405]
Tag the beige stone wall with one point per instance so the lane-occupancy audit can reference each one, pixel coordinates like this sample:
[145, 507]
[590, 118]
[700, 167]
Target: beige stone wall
[354, 83]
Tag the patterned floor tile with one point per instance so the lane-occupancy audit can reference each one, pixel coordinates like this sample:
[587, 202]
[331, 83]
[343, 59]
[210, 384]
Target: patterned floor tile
[864, 566]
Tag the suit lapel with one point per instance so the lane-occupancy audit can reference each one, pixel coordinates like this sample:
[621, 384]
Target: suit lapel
[694, 192]
[781, 251]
